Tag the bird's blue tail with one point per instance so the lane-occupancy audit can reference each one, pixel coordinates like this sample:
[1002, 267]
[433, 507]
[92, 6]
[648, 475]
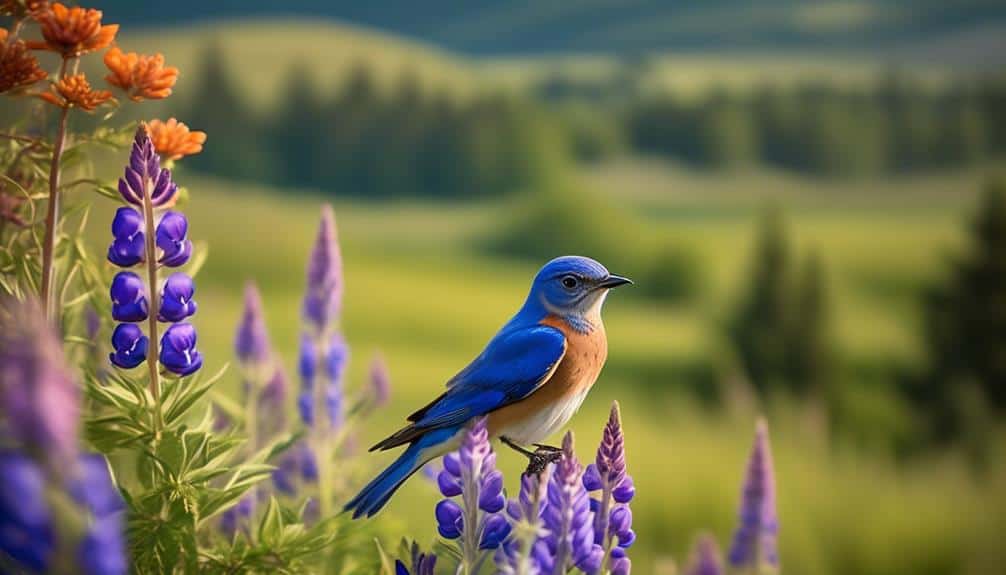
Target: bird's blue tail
[376, 494]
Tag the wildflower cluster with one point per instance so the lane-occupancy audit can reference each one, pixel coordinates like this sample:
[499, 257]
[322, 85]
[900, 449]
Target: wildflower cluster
[54, 499]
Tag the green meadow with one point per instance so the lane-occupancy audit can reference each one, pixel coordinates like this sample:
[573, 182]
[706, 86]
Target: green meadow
[421, 292]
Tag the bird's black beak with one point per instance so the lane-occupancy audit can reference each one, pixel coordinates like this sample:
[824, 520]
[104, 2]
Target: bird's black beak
[613, 281]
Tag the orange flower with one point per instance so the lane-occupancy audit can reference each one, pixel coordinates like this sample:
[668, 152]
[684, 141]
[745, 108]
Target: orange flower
[75, 92]
[172, 139]
[72, 31]
[140, 76]
[18, 68]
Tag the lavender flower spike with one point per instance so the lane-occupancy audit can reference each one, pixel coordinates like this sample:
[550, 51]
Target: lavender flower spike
[323, 300]
[705, 558]
[380, 381]
[514, 557]
[569, 520]
[38, 396]
[754, 544]
[145, 166]
[251, 344]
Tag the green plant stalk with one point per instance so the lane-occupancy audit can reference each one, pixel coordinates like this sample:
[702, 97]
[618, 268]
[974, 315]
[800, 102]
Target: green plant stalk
[609, 539]
[52, 210]
[153, 305]
[322, 444]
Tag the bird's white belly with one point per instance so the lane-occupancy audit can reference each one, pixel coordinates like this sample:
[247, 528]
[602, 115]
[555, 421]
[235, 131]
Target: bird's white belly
[537, 426]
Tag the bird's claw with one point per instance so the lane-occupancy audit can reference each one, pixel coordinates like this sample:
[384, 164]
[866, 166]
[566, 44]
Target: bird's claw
[541, 458]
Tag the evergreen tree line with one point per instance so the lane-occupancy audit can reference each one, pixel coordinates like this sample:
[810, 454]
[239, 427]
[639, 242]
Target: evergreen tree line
[781, 331]
[897, 126]
[369, 142]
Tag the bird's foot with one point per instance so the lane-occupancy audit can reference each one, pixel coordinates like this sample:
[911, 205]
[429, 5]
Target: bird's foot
[541, 458]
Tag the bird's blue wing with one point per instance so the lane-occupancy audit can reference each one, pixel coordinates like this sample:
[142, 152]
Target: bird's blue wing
[512, 366]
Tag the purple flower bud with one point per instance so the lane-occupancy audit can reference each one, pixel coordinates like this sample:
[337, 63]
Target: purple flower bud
[380, 382]
[178, 350]
[494, 532]
[611, 453]
[307, 363]
[305, 407]
[323, 299]
[620, 521]
[176, 298]
[705, 558]
[176, 249]
[284, 476]
[308, 463]
[336, 358]
[421, 563]
[449, 485]
[452, 464]
[239, 516]
[449, 519]
[754, 544]
[103, 549]
[491, 498]
[568, 518]
[38, 396]
[27, 535]
[625, 491]
[129, 345]
[621, 566]
[129, 297]
[592, 479]
[333, 405]
[252, 341]
[145, 166]
[128, 246]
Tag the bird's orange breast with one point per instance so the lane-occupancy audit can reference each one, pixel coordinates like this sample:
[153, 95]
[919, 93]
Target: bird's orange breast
[572, 379]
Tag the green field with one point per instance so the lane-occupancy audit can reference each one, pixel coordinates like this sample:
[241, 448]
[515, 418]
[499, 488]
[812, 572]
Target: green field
[417, 291]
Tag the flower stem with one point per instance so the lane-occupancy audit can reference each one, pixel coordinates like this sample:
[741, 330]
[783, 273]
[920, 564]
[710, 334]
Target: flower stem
[601, 523]
[154, 303]
[52, 212]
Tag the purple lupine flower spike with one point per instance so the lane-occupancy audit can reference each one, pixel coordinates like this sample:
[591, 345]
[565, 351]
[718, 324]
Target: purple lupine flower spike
[323, 299]
[525, 513]
[176, 298]
[754, 544]
[252, 341]
[38, 395]
[705, 558]
[380, 381]
[145, 164]
[129, 346]
[178, 350]
[569, 520]
[612, 516]
[129, 297]
[172, 240]
[128, 246]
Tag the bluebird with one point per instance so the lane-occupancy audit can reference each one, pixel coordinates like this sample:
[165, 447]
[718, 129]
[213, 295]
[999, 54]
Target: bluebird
[528, 382]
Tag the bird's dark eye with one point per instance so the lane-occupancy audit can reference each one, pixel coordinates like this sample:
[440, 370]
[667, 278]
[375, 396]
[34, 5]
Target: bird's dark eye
[570, 282]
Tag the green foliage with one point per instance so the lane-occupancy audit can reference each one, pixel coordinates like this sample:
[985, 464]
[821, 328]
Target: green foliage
[966, 320]
[781, 328]
[675, 273]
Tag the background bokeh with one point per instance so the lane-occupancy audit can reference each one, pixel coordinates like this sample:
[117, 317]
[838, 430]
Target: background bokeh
[805, 193]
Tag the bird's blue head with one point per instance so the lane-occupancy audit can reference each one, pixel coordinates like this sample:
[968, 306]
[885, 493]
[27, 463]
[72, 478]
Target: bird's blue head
[574, 288]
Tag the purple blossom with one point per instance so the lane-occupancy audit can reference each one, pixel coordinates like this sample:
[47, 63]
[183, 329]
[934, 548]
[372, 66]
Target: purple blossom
[323, 297]
[755, 540]
[178, 350]
[705, 557]
[128, 246]
[305, 407]
[525, 513]
[129, 297]
[38, 395]
[607, 475]
[272, 404]
[335, 364]
[176, 249]
[145, 168]
[176, 298]
[251, 343]
[307, 361]
[477, 521]
[380, 381]
[103, 548]
[238, 517]
[129, 346]
[26, 532]
[419, 563]
[569, 520]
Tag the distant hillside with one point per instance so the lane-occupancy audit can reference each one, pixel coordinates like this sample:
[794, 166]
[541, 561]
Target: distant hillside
[626, 26]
